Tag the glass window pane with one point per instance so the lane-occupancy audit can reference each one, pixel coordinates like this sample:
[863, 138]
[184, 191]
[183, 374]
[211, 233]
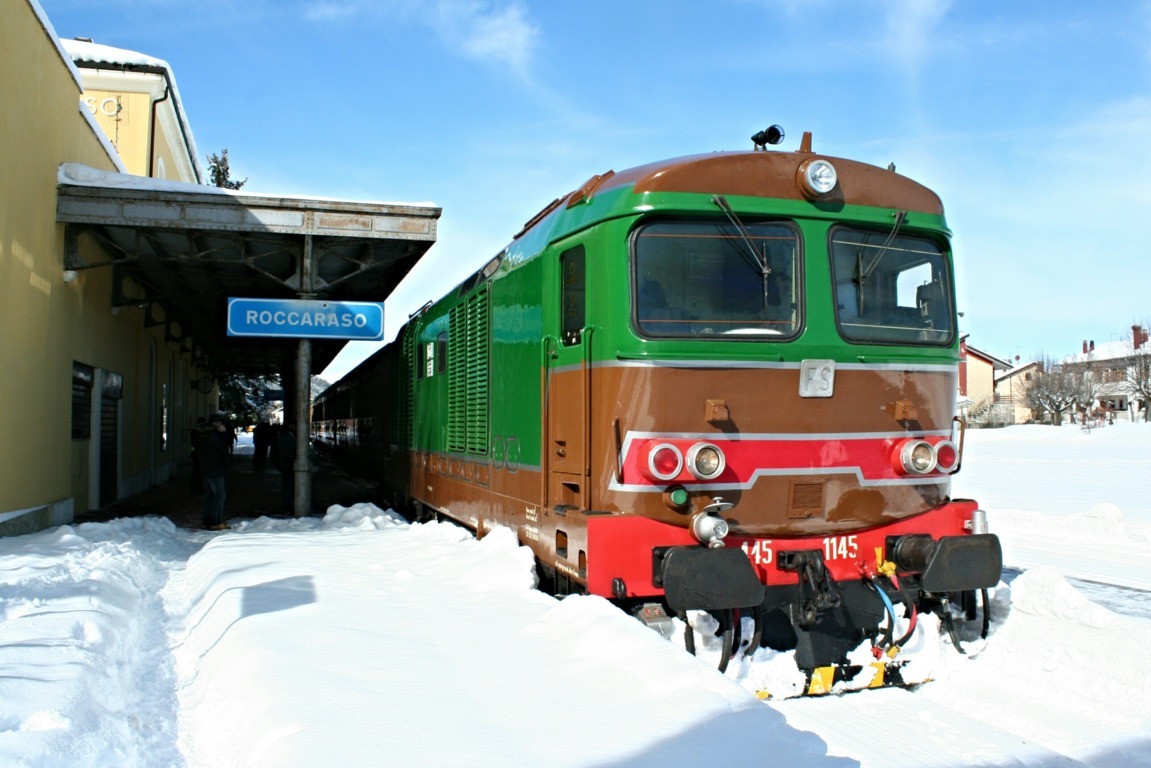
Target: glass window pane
[891, 290]
[696, 278]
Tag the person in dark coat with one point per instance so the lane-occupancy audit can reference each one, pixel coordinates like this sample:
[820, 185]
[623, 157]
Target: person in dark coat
[284, 458]
[213, 449]
[197, 480]
[262, 441]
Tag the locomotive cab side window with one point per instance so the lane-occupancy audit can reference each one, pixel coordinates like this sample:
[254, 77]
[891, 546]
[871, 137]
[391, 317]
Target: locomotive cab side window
[891, 289]
[705, 278]
[573, 295]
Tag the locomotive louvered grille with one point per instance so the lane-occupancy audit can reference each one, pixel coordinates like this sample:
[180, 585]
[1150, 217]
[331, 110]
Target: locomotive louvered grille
[806, 499]
[468, 375]
[457, 378]
[405, 376]
[477, 394]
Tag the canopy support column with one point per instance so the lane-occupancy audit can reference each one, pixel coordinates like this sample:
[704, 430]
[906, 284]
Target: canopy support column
[302, 501]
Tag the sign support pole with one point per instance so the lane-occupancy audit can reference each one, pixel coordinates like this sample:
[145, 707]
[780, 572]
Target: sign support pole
[302, 501]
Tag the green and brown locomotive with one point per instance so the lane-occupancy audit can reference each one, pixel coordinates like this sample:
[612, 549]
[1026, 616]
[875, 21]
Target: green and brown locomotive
[721, 383]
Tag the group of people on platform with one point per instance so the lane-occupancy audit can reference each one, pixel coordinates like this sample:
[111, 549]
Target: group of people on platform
[213, 441]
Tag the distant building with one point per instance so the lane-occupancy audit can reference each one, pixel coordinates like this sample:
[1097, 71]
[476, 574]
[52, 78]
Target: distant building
[1112, 364]
[134, 100]
[978, 371]
[1011, 392]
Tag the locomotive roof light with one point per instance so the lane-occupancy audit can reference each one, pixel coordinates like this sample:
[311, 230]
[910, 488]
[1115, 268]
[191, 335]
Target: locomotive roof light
[710, 529]
[771, 135]
[664, 462]
[705, 461]
[817, 178]
[917, 457]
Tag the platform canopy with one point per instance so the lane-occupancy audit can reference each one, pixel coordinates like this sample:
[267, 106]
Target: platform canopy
[178, 251]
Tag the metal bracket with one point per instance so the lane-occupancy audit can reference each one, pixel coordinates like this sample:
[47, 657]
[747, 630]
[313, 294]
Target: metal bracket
[816, 589]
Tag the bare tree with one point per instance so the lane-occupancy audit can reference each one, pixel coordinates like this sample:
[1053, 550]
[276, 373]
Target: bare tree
[1057, 388]
[1138, 372]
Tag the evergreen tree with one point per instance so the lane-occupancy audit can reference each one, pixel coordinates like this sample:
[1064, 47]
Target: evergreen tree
[220, 173]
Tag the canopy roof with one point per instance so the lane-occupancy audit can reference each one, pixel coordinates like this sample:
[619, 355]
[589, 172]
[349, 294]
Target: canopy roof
[191, 247]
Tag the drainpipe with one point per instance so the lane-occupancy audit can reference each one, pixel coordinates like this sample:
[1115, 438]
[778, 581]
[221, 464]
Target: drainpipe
[152, 132]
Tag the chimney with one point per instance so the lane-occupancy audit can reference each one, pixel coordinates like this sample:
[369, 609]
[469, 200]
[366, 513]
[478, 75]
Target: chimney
[1085, 346]
[1136, 337]
[1093, 345]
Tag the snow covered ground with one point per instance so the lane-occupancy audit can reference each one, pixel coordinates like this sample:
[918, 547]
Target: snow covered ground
[360, 640]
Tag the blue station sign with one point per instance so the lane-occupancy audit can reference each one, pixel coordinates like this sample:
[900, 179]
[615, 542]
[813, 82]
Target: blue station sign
[306, 319]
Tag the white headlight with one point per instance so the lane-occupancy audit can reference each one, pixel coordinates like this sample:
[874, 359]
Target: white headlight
[917, 457]
[817, 177]
[705, 461]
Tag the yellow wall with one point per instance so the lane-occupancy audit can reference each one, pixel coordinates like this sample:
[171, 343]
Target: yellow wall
[126, 118]
[980, 379]
[40, 128]
[47, 323]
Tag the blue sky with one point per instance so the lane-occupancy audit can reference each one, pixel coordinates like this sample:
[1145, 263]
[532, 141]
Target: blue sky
[1030, 118]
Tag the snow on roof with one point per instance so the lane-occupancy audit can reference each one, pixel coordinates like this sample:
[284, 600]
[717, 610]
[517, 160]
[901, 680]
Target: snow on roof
[1108, 350]
[51, 31]
[84, 50]
[996, 363]
[80, 175]
[1016, 370]
[86, 53]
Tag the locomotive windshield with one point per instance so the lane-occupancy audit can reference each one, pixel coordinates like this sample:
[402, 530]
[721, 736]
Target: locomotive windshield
[891, 289]
[711, 279]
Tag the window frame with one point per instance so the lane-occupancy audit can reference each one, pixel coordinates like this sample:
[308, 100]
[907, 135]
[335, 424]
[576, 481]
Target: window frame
[943, 252]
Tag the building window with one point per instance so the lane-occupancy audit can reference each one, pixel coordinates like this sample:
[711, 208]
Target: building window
[83, 377]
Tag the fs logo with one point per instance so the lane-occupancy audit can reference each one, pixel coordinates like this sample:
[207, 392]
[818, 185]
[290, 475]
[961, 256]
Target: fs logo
[816, 378]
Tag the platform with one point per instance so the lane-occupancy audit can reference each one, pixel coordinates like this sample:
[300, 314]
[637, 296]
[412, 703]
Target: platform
[249, 494]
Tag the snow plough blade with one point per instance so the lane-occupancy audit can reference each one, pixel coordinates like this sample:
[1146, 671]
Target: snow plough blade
[884, 674]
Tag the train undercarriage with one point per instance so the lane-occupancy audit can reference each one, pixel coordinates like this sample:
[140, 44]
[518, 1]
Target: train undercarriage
[823, 612]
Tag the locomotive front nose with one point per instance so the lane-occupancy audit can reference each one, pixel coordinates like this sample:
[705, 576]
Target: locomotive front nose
[950, 563]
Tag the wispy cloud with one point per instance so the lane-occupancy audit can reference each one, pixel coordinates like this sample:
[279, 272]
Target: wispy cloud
[912, 27]
[504, 34]
[500, 32]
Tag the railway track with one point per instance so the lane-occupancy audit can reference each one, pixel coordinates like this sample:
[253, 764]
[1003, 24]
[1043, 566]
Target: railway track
[931, 733]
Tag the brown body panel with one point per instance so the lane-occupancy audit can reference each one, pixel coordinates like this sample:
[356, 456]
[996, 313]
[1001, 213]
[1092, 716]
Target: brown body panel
[766, 402]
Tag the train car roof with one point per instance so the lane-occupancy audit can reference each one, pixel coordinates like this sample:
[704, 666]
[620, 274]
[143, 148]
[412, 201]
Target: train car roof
[775, 175]
[762, 173]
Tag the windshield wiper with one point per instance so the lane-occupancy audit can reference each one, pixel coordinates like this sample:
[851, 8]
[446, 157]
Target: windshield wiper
[861, 273]
[757, 262]
[900, 218]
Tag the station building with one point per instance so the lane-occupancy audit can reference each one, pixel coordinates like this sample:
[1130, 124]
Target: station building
[116, 265]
